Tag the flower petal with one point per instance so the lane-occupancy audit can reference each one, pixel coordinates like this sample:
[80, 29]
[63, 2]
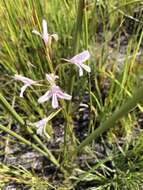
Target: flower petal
[36, 32]
[23, 88]
[45, 97]
[45, 35]
[55, 36]
[55, 103]
[81, 57]
[41, 123]
[80, 71]
[40, 130]
[86, 67]
[63, 95]
[24, 79]
[44, 27]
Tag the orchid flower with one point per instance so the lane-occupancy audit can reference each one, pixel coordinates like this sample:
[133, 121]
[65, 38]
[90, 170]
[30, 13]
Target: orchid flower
[27, 82]
[78, 61]
[55, 92]
[44, 35]
[40, 125]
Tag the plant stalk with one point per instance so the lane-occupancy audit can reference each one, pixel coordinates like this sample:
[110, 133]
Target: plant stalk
[30, 131]
[23, 140]
[76, 42]
[78, 26]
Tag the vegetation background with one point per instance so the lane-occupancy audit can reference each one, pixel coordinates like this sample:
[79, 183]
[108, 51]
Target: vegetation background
[112, 31]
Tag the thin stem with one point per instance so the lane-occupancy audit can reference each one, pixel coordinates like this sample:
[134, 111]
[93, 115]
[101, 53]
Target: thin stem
[86, 47]
[11, 110]
[85, 27]
[124, 110]
[78, 26]
[9, 127]
[78, 29]
[23, 140]
[76, 42]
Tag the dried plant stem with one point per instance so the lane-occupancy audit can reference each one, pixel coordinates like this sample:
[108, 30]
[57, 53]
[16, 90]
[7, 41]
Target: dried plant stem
[48, 50]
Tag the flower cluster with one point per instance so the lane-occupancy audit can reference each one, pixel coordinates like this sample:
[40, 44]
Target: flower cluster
[54, 90]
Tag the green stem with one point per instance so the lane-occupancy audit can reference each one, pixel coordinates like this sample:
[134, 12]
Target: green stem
[30, 131]
[78, 29]
[125, 109]
[86, 47]
[11, 110]
[78, 26]
[85, 27]
[76, 39]
[23, 140]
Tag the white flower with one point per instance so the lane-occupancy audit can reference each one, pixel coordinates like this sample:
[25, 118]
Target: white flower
[78, 61]
[41, 125]
[27, 82]
[55, 92]
[44, 35]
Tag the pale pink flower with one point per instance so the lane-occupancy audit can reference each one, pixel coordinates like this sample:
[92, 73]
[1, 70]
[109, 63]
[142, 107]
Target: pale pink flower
[54, 92]
[27, 82]
[44, 35]
[41, 125]
[52, 78]
[78, 61]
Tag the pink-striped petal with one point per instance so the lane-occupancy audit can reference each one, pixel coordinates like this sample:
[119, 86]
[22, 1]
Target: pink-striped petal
[81, 57]
[63, 95]
[24, 79]
[55, 103]
[45, 97]
[46, 39]
[44, 27]
[45, 35]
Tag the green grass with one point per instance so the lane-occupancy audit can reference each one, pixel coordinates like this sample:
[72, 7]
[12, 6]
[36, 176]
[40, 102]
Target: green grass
[112, 32]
